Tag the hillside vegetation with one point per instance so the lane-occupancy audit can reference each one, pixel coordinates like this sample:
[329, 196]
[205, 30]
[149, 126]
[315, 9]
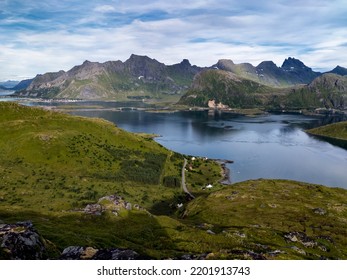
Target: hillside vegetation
[85, 182]
[229, 89]
[71, 161]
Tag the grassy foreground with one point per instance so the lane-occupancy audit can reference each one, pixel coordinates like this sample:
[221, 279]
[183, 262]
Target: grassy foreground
[52, 165]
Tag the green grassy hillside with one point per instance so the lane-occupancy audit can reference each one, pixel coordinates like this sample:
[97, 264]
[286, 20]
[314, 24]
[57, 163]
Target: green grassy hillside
[53, 165]
[72, 161]
[285, 219]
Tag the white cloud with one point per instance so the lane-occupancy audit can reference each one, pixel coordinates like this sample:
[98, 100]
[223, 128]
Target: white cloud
[105, 9]
[202, 31]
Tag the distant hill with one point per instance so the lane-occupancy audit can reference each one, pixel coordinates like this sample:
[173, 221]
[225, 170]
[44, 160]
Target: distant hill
[226, 89]
[327, 91]
[229, 89]
[137, 78]
[22, 84]
[8, 84]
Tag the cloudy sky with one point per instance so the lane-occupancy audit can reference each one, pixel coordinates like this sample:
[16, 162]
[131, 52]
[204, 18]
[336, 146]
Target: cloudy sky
[50, 35]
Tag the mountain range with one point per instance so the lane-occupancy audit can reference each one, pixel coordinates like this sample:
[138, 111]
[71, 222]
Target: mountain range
[15, 85]
[292, 72]
[138, 77]
[293, 85]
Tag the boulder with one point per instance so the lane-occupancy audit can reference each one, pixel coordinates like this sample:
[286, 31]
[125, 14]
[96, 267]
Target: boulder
[94, 209]
[21, 241]
[319, 211]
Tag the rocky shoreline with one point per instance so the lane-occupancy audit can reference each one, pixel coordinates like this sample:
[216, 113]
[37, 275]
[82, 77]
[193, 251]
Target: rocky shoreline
[226, 173]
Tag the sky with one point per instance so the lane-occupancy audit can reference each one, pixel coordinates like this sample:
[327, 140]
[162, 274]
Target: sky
[52, 35]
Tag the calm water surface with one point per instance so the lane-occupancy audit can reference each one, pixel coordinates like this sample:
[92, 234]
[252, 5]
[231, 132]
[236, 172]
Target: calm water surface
[270, 146]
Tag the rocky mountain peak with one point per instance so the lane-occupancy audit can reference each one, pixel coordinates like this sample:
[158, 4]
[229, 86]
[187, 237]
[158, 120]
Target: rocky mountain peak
[143, 66]
[225, 64]
[185, 62]
[339, 70]
[292, 63]
[267, 65]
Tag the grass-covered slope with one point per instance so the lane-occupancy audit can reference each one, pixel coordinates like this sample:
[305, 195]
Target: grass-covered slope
[274, 218]
[53, 165]
[70, 161]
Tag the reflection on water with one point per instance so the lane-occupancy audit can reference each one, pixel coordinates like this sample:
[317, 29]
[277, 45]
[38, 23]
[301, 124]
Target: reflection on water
[271, 146]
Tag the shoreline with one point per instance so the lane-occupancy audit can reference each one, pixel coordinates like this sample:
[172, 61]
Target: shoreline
[225, 172]
[152, 107]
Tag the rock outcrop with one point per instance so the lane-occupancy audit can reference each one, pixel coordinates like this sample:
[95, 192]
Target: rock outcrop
[21, 241]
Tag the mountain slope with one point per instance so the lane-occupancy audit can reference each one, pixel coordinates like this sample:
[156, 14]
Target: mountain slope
[326, 91]
[228, 89]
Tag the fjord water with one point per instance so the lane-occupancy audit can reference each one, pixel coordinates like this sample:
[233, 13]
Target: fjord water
[269, 146]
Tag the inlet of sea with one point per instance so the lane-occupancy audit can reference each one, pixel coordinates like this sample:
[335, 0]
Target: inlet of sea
[272, 146]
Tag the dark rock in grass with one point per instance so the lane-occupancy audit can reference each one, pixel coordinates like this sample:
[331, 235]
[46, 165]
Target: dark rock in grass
[72, 253]
[194, 257]
[117, 254]
[21, 241]
[301, 238]
[247, 254]
[319, 211]
[90, 253]
[94, 209]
